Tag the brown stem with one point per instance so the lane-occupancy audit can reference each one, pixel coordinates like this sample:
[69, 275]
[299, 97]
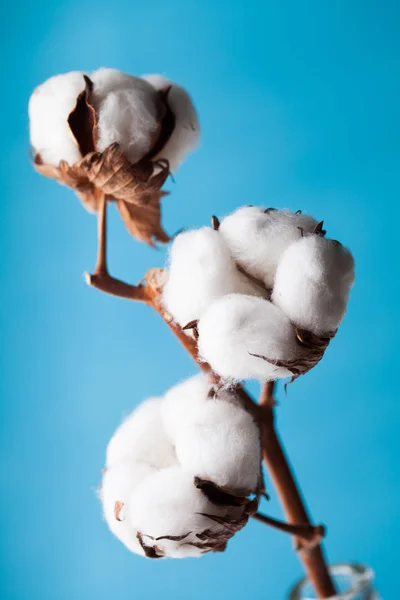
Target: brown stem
[274, 453]
[109, 285]
[101, 279]
[290, 496]
[308, 535]
[101, 265]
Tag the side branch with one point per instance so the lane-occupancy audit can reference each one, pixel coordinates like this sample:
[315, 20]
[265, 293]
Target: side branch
[101, 279]
[309, 536]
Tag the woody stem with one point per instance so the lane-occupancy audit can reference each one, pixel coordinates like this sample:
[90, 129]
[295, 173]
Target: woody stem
[309, 534]
[101, 265]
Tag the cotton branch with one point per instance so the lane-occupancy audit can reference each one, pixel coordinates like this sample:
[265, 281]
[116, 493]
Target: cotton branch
[101, 279]
[299, 525]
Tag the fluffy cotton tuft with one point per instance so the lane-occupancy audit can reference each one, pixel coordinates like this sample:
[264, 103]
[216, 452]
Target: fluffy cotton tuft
[201, 270]
[237, 327]
[168, 503]
[313, 282]
[222, 445]
[49, 108]
[257, 239]
[152, 499]
[142, 437]
[118, 483]
[129, 112]
[181, 404]
[186, 133]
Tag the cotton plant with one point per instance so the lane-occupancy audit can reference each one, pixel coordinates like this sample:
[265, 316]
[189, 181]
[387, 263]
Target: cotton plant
[114, 137]
[258, 295]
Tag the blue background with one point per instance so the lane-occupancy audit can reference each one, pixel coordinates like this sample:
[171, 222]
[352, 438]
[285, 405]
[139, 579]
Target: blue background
[299, 103]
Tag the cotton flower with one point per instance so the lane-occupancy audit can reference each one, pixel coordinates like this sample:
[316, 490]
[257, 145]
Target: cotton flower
[186, 133]
[257, 238]
[201, 269]
[49, 108]
[244, 337]
[313, 282]
[159, 504]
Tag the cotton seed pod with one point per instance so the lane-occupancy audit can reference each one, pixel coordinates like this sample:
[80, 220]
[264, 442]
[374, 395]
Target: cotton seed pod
[313, 282]
[257, 238]
[142, 437]
[244, 337]
[186, 133]
[200, 270]
[158, 506]
[128, 111]
[103, 135]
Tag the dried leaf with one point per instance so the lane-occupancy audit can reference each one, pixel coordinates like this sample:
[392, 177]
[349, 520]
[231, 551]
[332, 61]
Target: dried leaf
[112, 172]
[167, 125]
[150, 551]
[231, 525]
[218, 495]
[173, 538]
[83, 120]
[144, 222]
[313, 349]
[45, 169]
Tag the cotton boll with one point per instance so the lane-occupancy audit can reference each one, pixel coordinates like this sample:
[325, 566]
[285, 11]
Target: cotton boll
[257, 238]
[237, 327]
[222, 446]
[49, 108]
[178, 409]
[313, 282]
[129, 112]
[142, 437]
[186, 133]
[201, 270]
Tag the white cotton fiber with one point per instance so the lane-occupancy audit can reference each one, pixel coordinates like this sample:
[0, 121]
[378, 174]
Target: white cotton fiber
[117, 485]
[201, 270]
[235, 327]
[49, 108]
[129, 112]
[186, 133]
[169, 504]
[142, 437]
[222, 446]
[313, 282]
[181, 402]
[257, 239]
[152, 499]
